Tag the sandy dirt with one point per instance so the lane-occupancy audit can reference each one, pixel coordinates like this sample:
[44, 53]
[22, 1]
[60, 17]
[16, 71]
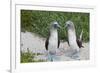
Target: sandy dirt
[36, 44]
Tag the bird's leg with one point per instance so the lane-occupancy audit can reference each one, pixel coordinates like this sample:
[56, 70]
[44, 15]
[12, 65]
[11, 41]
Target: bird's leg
[51, 59]
[76, 55]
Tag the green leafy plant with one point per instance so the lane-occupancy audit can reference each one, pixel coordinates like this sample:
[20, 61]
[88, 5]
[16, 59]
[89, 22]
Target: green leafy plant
[27, 57]
[38, 22]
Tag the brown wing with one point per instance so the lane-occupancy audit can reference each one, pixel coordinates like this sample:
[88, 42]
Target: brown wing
[79, 40]
[46, 43]
[79, 43]
[58, 43]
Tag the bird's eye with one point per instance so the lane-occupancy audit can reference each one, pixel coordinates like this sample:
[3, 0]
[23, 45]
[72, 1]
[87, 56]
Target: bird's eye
[55, 25]
[68, 24]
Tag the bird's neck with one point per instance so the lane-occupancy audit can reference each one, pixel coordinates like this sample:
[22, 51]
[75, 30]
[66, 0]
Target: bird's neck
[53, 33]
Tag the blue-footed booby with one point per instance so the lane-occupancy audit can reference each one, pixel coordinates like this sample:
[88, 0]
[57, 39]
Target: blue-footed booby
[52, 41]
[74, 43]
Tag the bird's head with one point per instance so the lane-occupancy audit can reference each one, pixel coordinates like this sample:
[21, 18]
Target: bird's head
[55, 25]
[69, 24]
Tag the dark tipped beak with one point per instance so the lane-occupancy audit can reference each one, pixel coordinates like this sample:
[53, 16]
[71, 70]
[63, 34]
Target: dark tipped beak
[59, 26]
[66, 26]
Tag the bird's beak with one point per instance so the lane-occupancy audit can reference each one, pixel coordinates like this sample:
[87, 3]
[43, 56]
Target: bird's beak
[66, 25]
[59, 26]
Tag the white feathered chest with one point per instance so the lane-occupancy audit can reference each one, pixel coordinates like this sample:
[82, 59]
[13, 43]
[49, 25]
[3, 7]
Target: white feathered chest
[72, 39]
[53, 40]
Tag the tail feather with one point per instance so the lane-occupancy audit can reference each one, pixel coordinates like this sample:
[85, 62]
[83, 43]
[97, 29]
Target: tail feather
[79, 40]
[81, 35]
